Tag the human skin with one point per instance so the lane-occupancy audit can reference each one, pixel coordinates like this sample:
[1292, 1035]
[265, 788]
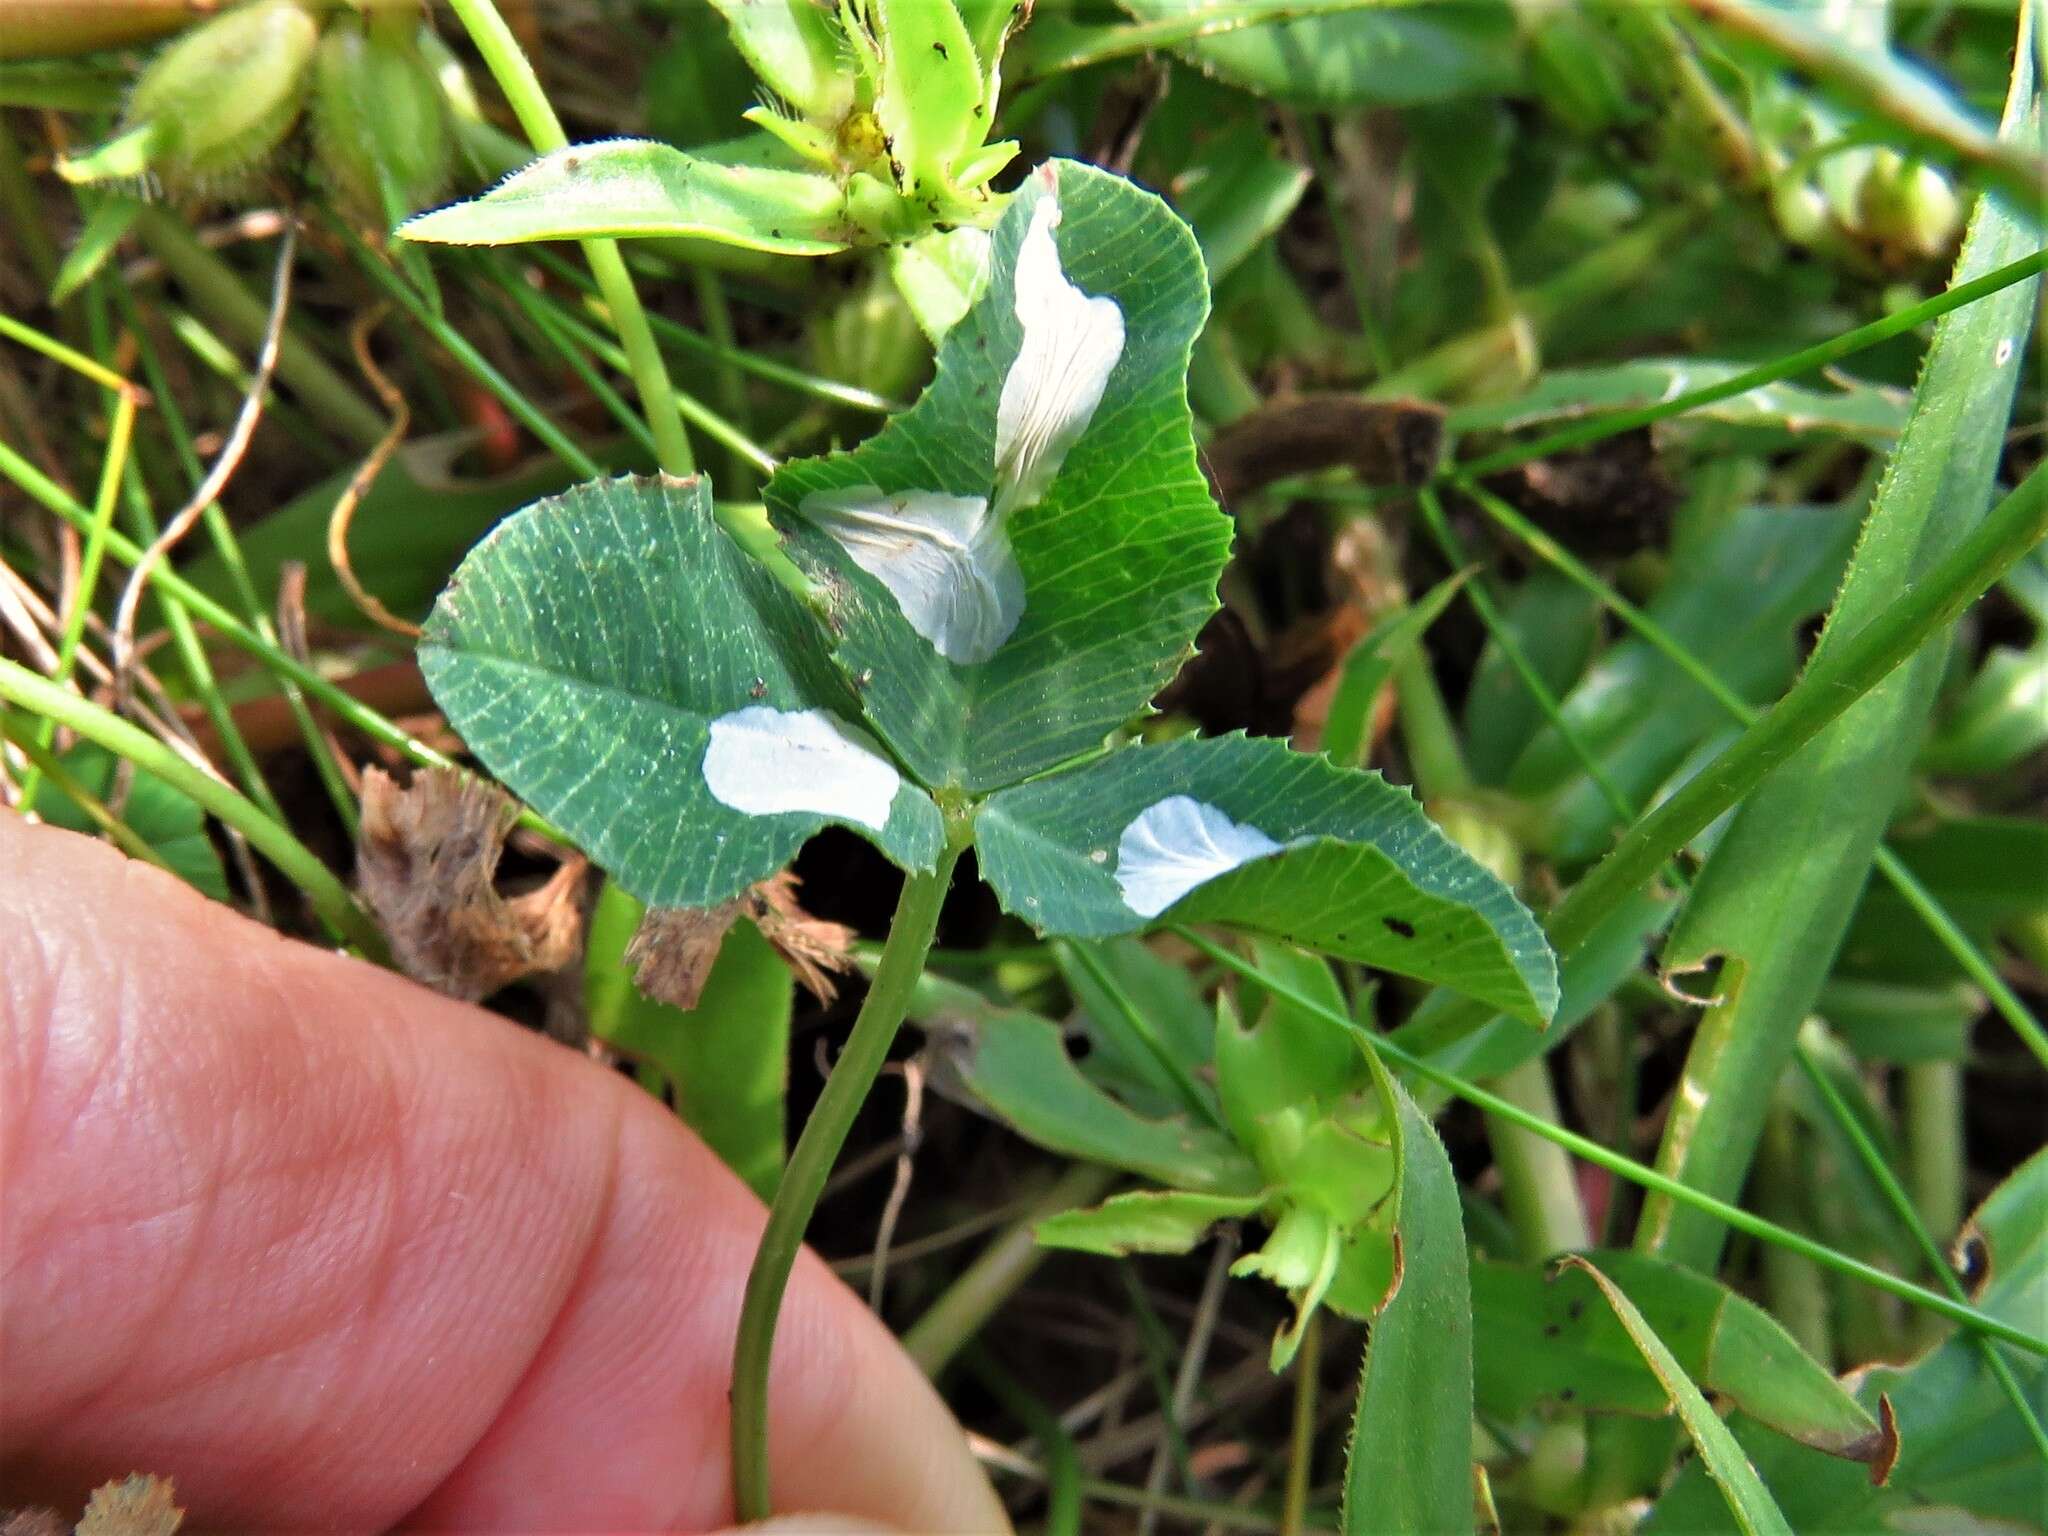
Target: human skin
[333, 1252]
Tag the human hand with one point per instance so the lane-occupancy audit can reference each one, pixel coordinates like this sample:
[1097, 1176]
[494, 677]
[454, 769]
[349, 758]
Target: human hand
[333, 1252]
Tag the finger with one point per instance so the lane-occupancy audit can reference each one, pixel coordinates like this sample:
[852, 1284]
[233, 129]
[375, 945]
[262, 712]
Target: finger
[331, 1251]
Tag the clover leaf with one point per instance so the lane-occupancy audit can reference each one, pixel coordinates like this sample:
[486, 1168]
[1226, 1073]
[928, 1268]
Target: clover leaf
[618, 661]
[1019, 562]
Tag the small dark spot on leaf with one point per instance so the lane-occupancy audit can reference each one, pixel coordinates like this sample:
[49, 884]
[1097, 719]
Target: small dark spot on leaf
[940, 50]
[1399, 925]
[1971, 1260]
[759, 690]
[775, 234]
[572, 162]
[1552, 1330]
[1568, 1394]
[1577, 1309]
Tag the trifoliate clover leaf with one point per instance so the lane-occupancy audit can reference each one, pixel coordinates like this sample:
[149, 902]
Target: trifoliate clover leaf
[620, 663]
[1250, 833]
[1019, 562]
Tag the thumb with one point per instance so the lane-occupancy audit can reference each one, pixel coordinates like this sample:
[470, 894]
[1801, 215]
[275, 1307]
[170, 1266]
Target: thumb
[334, 1252]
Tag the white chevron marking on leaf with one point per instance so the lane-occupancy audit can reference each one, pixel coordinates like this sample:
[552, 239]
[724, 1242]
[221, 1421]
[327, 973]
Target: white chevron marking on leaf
[1176, 844]
[1071, 343]
[768, 762]
[943, 558]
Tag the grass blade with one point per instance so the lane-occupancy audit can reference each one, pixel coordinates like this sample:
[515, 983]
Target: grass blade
[1755, 1511]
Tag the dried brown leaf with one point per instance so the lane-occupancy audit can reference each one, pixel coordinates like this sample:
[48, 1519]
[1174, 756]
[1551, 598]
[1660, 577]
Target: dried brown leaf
[138, 1505]
[812, 947]
[426, 861]
[673, 949]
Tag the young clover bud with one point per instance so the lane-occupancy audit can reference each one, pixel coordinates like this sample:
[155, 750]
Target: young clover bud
[1907, 209]
[216, 102]
[379, 124]
[1801, 211]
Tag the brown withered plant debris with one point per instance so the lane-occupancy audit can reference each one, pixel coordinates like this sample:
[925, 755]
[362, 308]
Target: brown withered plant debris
[673, 949]
[33, 1522]
[427, 862]
[1364, 588]
[1383, 442]
[1613, 498]
[138, 1505]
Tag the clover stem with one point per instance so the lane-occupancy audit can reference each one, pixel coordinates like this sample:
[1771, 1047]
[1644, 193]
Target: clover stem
[510, 67]
[810, 1163]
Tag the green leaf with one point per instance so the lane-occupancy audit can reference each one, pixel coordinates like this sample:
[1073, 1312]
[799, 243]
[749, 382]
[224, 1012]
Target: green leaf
[605, 650]
[1236, 194]
[1369, 665]
[1968, 865]
[939, 275]
[796, 50]
[1288, 1055]
[1084, 601]
[1549, 1340]
[1016, 1066]
[1856, 410]
[1300, 1255]
[1737, 607]
[929, 96]
[1775, 897]
[2000, 718]
[1587, 977]
[1555, 624]
[1394, 55]
[1410, 1461]
[1330, 858]
[1967, 1461]
[726, 1060]
[109, 220]
[1147, 1023]
[1883, 1021]
[409, 533]
[158, 814]
[1146, 1221]
[1754, 1510]
[621, 187]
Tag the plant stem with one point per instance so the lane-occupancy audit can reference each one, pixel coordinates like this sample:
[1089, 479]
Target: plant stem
[1797, 1293]
[66, 783]
[214, 287]
[1628, 1168]
[459, 347]
[984, 1285]
[810, 1163]
[510, 67]
[167, 583]
[1301, 1442]
[1935, 1163]
[330, 898]
[1538, 1186]
[816, 386]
